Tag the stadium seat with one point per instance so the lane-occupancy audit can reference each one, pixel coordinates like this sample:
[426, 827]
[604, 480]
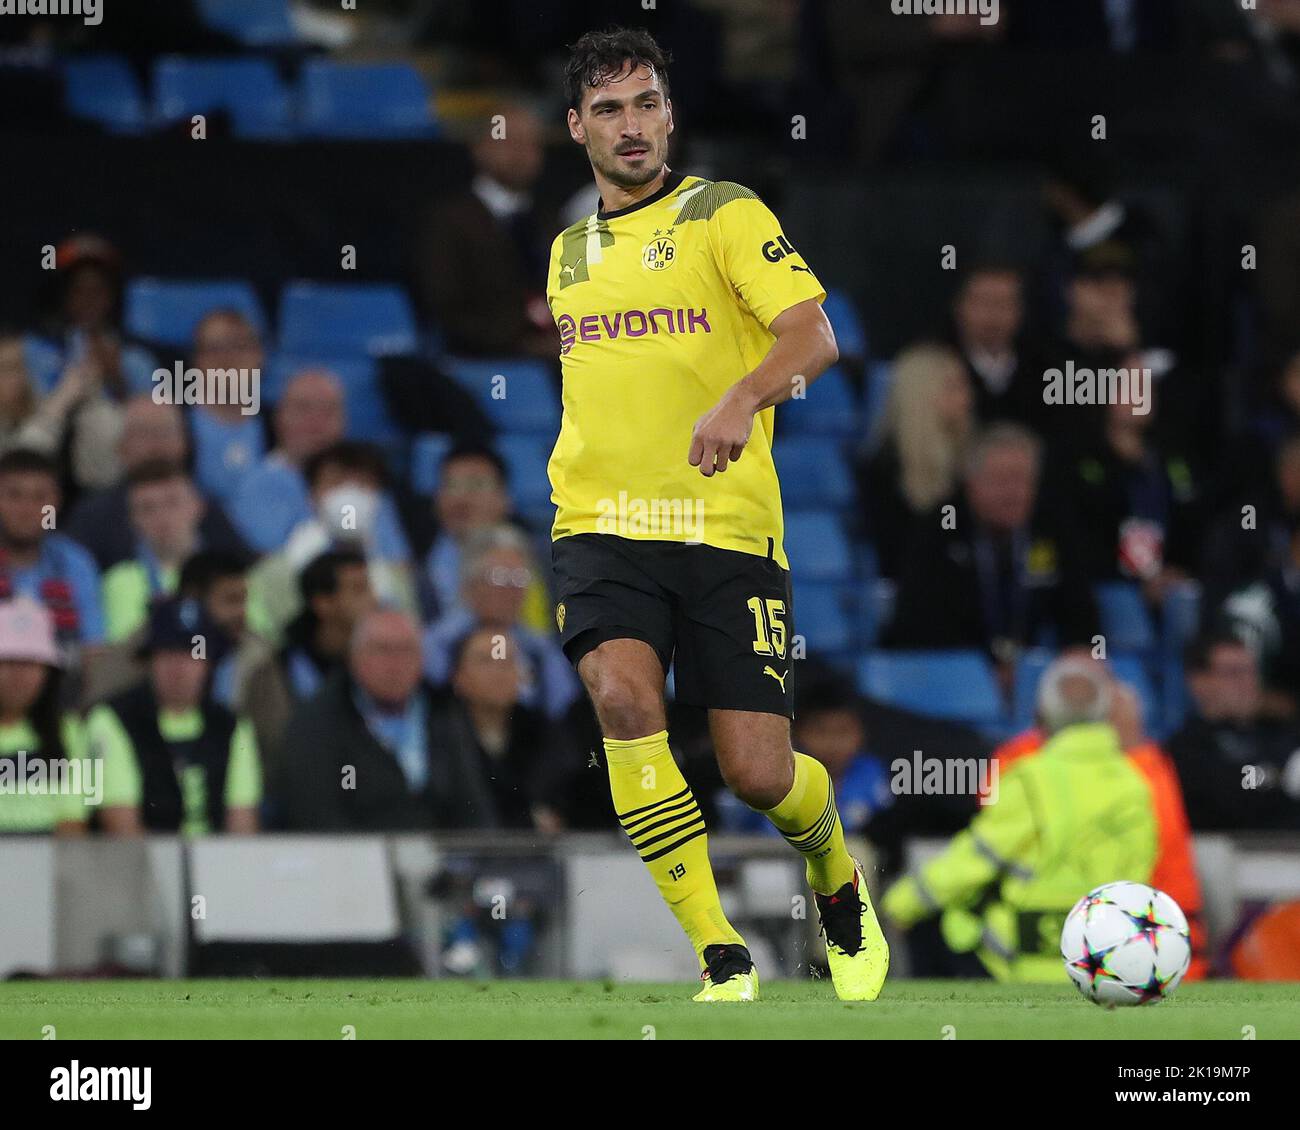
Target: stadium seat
[326, 319]
[811, 476]
[526, 458]
[1125, 619]
[824, 615]
[955, 685]
[816, 546]
[850, 333]
[104, 89]
[1180, 618]
[367, 407]
[364, 101]
[255, 23]
[249, 90]
[880, 379]
[166, 311]
[44, 361]
[427, 453]
[829, 408]
[516, 392]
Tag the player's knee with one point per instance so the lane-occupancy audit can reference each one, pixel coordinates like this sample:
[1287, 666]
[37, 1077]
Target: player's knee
[626, 708]
[759, 784]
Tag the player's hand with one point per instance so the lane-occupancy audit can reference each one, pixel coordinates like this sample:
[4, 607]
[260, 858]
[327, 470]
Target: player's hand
[720, 434]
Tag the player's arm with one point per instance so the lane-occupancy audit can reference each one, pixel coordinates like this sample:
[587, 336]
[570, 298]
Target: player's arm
[804, 349]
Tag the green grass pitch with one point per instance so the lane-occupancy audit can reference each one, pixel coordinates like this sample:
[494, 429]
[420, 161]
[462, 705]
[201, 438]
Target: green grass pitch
[327, 1010]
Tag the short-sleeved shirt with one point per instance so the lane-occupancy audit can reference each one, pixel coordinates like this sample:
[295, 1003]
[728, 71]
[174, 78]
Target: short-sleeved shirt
[662, 307]
[36, 799]
[124, 784]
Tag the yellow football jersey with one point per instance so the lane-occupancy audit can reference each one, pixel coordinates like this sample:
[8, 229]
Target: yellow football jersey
[662, 307]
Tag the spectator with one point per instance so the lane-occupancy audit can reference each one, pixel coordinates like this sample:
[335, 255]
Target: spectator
[227, 443]
[988, 326]
[984, 571]
[482, 253]
[1133, 504]
[1069, 819]
[496, 573]
[33, 728]
[1240, 769]
[39, 562]
[362, 754]
[28, 420]
[173, 759]
[520, 752]
[101, 521]
[165, 511]
[471, 496]
[926, 430]
[346, 482]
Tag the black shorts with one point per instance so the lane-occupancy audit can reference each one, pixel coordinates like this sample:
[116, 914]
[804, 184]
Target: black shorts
[723, 620]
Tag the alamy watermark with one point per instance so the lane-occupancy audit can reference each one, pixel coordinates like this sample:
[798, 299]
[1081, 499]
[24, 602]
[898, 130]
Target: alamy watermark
[987, 10]
[52, 776]
[90, 11]
[628, 516]
[945, 776]
[1073, 385]
[179, 385]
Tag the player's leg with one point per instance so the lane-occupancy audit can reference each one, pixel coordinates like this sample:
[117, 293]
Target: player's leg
[794, 791]
[653, 802]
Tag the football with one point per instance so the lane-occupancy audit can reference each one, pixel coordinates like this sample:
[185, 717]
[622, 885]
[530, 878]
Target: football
[1126, 944]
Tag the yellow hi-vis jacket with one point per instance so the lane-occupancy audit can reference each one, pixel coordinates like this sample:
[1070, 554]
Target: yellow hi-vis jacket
[1076, 816]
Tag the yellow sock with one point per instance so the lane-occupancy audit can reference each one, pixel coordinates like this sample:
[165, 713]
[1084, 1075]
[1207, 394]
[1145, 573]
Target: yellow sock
[809, 822]
[658, 812]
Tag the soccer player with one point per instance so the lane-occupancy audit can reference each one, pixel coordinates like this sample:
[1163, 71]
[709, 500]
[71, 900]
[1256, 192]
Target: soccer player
[685, 315]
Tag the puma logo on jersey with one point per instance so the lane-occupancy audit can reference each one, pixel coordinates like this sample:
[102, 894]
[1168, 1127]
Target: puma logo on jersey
[570, 268]
[779, 678]
[796, 267]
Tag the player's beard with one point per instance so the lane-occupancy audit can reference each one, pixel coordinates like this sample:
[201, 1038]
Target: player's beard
[617, 173]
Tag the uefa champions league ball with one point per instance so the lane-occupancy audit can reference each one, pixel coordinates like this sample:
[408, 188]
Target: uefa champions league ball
[1125, 944]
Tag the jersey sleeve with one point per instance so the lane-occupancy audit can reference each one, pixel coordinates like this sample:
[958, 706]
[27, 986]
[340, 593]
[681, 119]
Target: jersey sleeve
[243, 770]
[761, 264]
[109, 742]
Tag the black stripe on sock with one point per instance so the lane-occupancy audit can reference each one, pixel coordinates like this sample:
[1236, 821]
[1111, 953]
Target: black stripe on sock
[623, 816]
[830, 800]
[630, 827]
[676, 818]
[668, 835]
[673, 847]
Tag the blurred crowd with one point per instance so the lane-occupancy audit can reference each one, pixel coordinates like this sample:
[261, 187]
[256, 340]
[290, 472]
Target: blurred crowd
[260, 621]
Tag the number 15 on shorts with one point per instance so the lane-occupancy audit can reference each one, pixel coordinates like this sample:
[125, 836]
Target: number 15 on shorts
[769, 625]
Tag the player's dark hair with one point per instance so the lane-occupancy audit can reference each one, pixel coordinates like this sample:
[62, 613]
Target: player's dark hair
[205, 568]
[602, 55]
[349, 455]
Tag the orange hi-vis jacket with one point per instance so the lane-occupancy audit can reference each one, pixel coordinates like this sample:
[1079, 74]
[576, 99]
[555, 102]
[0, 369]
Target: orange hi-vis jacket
[1175, 867]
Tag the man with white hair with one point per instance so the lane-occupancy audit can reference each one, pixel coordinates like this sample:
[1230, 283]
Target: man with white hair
[1075, 816]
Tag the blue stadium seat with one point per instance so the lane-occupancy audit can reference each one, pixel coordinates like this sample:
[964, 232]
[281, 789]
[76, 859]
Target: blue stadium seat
[1127, 668]
[812, 476]
[1181, 617]
[829, 408]
[824, 615]
[526, 458]
[324, 319]
[517, 393]
[255, 23]
[104, 89]
[956, 685]
[167, 310]
[1125, 619]
[367, 408]
[850, 333]
[44, 361]
[388, 100]
[816, 546]
[880, 379]
[249, 90]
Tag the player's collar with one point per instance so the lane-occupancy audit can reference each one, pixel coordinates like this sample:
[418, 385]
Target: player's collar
[671, 183]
